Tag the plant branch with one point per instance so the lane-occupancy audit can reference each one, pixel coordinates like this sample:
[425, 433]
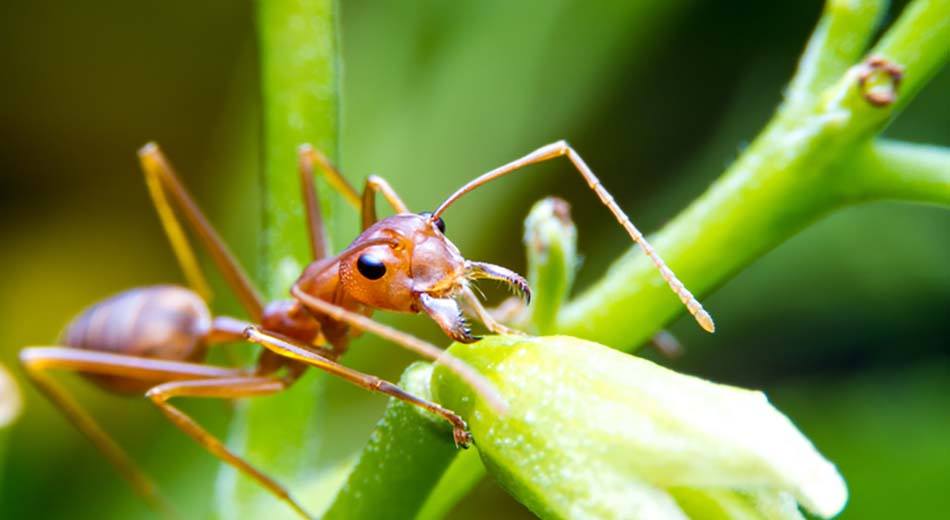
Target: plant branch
[784, 181]
[841, 36]
[898, 171]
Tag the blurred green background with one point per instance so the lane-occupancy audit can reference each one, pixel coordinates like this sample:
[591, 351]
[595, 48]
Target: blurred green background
[845, 326]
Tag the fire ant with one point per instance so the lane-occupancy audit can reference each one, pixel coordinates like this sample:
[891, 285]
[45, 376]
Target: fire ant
[154, 339]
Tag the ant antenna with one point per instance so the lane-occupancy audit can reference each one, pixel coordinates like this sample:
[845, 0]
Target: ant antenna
[559, 149]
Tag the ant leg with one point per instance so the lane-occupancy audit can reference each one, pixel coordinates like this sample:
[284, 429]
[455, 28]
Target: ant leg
[176, 236]
[562, 149]
[162, 180]
[315, 227]
[365, 204]
[223, 388]
[38, 360]
[425, 349]
[376, 184]
[473, 305]
[333, 175]
[287, 348]
[307, 156]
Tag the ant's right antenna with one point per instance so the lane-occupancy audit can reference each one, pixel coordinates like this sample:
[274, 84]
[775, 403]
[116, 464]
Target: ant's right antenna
[561, 148]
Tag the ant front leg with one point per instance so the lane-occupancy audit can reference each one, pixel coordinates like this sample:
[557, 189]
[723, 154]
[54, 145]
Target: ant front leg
[289, 349]
[477, 381]
[336, 179]
[376, 184]
[365, 204]
[307, 156]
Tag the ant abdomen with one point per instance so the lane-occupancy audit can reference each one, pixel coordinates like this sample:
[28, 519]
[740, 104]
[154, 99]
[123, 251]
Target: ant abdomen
[163, 322]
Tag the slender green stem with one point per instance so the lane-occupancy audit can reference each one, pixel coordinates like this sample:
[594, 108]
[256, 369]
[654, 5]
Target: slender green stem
[784, 181]
[300, 95]
[839, 40]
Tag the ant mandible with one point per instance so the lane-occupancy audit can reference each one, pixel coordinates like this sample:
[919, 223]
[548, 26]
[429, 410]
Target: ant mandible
[154, 339]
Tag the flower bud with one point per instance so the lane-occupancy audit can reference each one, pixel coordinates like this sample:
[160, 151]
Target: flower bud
[551, 242]
[595, 433]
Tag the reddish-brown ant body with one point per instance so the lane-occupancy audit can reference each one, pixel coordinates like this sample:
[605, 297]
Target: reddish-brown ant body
[154, 339]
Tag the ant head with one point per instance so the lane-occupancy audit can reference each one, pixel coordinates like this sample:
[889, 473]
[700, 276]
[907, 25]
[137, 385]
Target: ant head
[405, 263]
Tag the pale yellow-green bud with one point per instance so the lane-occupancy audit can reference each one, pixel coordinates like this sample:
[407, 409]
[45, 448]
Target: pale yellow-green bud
[550, 240]
[595, 433]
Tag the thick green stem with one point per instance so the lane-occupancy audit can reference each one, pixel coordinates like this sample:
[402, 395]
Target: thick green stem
[300, 95]
[300, 92]
[784, 181]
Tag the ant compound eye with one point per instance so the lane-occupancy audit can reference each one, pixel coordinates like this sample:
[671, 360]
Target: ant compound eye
[370, 267]
[439, 223]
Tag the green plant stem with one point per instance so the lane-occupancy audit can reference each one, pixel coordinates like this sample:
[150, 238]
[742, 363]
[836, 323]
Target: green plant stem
[458, 480]
[784, 181]
[300, 92]
[900, 171]
[398, 481]
[300, 95]
[840, 37]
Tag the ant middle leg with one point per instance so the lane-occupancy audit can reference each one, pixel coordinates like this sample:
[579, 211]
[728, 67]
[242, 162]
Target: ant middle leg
[223, 388]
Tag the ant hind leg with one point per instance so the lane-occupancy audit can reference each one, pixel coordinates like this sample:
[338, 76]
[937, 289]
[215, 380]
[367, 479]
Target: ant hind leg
[37, 361]
[164, 183]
